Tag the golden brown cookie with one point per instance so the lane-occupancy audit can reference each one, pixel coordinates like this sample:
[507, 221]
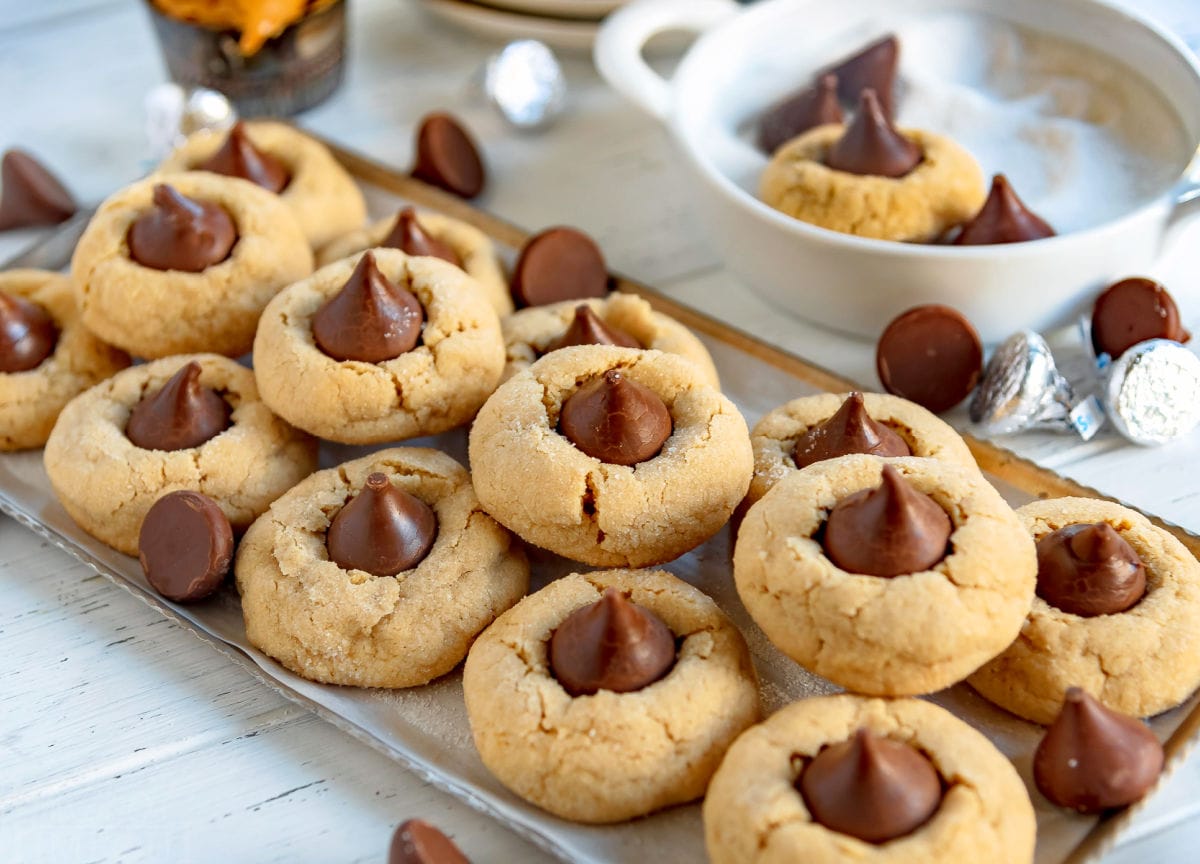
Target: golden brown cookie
[529, 332]
[31, 400]
[774, 437]
[537, 483]
[436, 386]
[320, 193]
[608, 756]
[472, 246]
[753, 813]
[898, 636]
[1140, 662]
[106, 483]
[944, 190]
[349, 627]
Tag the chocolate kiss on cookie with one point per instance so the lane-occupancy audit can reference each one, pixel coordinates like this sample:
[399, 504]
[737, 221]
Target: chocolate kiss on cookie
[30, 195]
[27, 334]
[238, 157]
[1093, 758]
[874, 67]
[871, 145]
[418, 842]
[811, 107]
[1132, 311]
[587, 328]
[181, 233]
[411, 238]
[850, 430]
[370, 319]
[616, 420]
[1004, 218]
[887, 531]
[612, 644]
[871, 788]
[382, 530]
[185, 546]
[1089, 569]
[183, 414]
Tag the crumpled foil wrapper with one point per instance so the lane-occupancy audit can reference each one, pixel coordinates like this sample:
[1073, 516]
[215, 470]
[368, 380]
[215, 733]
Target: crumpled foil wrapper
[1153, 392]
[526, 84]
[173, 113]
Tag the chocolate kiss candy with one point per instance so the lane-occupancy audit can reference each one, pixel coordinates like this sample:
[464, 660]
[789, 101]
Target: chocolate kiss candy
[183, 414]
[887, 531]
[1003, 218]
[612, 644]
[872, 145]
[871, 788]
[31, 195]
[930, 355]
[27, 334]
[181, 233]
[558, 264]
[238, 157]
[1089, 569]
[874, 67]
[382, 530]
[587, 328]
[185, 546]
[370, 319]
[447, 157]
[616, 420]
[1093, 758]
[418, 842]
[812, 106]
[850, 430]
[1132, 311]
[409, 237]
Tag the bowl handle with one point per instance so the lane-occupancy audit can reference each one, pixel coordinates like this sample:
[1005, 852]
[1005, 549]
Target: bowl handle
[619, 44]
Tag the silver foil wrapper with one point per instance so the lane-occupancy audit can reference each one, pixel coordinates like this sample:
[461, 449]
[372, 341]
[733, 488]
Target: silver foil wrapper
[526, 84]
[1153, 392]
[173, 113]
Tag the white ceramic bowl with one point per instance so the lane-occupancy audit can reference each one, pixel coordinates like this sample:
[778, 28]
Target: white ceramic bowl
[855, 284]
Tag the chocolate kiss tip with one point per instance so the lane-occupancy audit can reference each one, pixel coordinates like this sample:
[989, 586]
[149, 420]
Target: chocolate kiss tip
[1004, 218]
[181, 233]
[29, 194]
[181, 415]
[1089, 569]
[850, 430]
[28, 334]
[871, 145]
[587, 328]
[811, 107]
[616, 420]
[238, 157]
[875, 67]
[382, 530]
[370, 319]
[410, 237]
[418, 842]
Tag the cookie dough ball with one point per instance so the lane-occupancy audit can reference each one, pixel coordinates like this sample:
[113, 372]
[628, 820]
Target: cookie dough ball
[155, 313]
[774, 437]
[31, 399]
[322, 196]
[889, 636]
[608, 756]
[531, 332]
[945, 189]
[473, 248]
[107, 483]
[437, 385]
[346, 626]
[753, 813]
[1141, 661]
[540, 485]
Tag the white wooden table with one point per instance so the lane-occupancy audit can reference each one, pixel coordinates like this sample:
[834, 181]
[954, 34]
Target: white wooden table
[122, 738]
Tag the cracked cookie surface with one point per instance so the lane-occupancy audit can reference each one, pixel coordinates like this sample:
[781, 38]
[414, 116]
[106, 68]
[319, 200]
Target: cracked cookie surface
[349, 627]
[156, 313]
[436, 386]
[1140, 662]
[897, 636]
[610, 756]
[107, 483]
[774, 437]
[529, 332]
[754, 815]
[539, 485]
[30, 401]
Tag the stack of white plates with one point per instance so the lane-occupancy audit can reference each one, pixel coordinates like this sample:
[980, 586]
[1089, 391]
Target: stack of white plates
[566, 24]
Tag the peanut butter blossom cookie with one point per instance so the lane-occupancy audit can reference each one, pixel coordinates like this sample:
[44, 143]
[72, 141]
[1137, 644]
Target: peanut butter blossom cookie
[47, 357]
[843, 778]
[1115, 612]
[185, 262]
[384, 347]
[192, 423]
[888, 578]
[377, 573]
[609, 695]
[611, 456]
